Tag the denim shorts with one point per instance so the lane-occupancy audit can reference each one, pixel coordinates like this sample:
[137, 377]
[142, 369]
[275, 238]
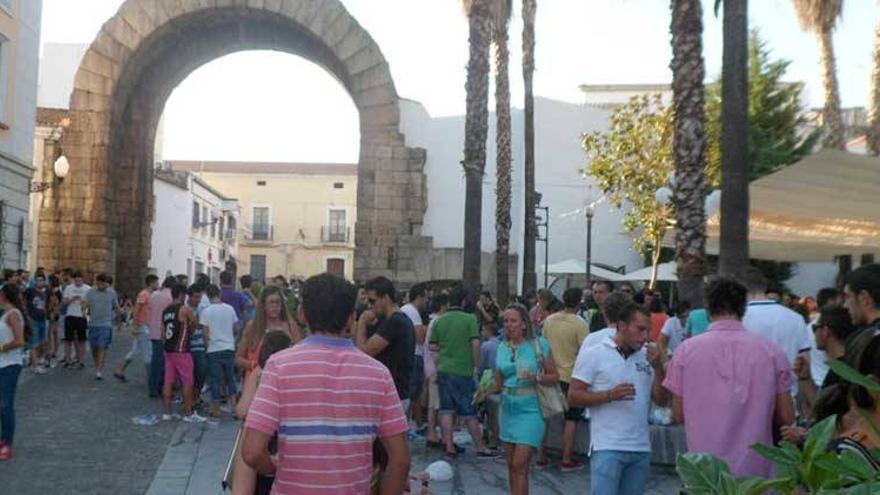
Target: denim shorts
[38, 333]
[100, 337]
[456, 394]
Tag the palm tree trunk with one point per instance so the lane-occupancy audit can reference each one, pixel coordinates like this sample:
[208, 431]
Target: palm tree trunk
[476, 130]
[530, 277]
[734, 252]
[873, 134]
[831, 115]
[503, 163]
[689, 147]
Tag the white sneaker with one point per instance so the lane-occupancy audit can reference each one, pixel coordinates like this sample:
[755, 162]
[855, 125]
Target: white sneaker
[167, 417]
[194, 418]
[39, 370]
[98, 375]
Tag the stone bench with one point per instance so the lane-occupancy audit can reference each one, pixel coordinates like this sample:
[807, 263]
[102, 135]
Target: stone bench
[666, 441]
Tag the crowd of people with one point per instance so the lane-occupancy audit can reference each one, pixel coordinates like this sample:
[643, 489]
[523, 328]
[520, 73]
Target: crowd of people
[333, 381]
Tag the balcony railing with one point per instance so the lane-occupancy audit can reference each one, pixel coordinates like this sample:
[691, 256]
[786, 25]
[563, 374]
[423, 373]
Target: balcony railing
[261, 232]
[336, 235]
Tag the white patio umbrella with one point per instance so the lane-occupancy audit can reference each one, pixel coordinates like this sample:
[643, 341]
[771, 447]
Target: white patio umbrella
[666, 272]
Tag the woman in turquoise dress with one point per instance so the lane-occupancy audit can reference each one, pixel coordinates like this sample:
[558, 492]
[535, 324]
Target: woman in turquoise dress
[518, 368]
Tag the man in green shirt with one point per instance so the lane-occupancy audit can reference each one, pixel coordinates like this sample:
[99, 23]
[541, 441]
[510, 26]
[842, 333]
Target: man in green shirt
[456, 339]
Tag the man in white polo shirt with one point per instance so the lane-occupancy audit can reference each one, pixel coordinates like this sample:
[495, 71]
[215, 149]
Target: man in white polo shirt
[617, 379]
[774, 322]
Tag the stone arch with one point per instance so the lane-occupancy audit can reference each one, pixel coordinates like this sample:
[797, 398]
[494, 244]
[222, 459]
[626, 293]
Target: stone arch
[100, 219]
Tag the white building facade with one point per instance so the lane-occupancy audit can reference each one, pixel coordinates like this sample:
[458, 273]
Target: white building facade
[19, 58]
[194, 227]
[559, 160]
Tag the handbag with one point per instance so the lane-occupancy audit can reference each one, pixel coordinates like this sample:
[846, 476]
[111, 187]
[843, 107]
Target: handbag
[551, 398]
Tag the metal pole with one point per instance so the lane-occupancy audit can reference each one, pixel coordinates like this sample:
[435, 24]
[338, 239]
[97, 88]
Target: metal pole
[589, 248]
[546, 244]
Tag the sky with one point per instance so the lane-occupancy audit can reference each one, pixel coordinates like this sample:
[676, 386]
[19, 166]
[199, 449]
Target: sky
[277, 107]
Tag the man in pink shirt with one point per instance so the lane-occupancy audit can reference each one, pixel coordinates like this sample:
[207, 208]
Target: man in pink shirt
[328, 402]
[730, 387]
[159, 300]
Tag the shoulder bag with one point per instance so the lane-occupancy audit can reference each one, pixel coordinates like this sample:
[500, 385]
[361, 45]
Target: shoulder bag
[552, 401]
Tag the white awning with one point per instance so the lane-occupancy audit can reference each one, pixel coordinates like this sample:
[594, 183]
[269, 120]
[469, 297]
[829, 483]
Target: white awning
[666, 272]
[578, 267]
[821, 207]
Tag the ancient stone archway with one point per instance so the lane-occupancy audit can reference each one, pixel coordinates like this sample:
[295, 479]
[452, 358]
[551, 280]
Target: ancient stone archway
[99, 220]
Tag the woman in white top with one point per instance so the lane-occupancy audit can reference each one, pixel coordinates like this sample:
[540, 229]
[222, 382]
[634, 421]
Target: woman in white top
[11, 347]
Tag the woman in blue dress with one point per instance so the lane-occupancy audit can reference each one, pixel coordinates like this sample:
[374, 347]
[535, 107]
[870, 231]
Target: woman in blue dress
[519, 367]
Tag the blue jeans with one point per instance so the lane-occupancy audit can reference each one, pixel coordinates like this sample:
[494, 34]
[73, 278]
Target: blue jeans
[100, 337]
[222, 365]
[157, 369]
[615, 472]
[456, 395]
[8, 385]
[200, 372]
[38, 335]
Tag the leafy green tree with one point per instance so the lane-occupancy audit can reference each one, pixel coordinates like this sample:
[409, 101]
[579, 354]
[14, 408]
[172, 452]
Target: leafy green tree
[776, 117]
[630, 162]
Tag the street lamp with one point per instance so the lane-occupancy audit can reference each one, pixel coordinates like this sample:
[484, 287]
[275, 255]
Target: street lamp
[545, 222]
[60, 168]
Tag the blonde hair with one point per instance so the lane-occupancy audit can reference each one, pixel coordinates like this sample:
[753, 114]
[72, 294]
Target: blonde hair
[528, 329]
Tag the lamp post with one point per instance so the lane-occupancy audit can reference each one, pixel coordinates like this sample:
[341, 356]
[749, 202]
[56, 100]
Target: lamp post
[590, 210]
[545, 222]
[60, 168]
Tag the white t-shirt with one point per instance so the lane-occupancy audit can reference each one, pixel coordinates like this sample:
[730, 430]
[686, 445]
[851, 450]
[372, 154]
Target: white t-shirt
[220, 319]
[15, 356]
[779, 325]
[818, 360]
[674, 331]
[597, 337]
[413, 314]
[619, 425]
[75, 308]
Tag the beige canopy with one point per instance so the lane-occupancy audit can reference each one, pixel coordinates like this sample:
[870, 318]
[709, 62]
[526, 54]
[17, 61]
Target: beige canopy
[826, 205]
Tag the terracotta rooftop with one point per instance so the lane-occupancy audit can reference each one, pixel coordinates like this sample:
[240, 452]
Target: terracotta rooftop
[264, 167]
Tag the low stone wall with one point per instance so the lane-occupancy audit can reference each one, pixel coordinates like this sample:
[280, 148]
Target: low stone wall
[666, 441]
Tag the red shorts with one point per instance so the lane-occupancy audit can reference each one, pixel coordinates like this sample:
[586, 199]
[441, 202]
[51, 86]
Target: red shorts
[179, 365]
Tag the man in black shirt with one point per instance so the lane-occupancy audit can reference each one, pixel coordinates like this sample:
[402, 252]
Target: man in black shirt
[387, 334]
[862, 293]
[831, 332]
[596, 318]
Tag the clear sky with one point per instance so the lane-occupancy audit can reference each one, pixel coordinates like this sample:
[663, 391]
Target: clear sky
[247, 106]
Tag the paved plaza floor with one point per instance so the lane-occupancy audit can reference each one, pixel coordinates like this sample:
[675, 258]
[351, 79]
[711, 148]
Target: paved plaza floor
[75, 435]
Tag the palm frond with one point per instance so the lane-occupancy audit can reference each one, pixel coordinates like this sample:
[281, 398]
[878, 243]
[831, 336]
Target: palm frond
[818, 15]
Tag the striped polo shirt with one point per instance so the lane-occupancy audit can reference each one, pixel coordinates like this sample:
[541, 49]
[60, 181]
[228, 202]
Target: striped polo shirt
[328, 401]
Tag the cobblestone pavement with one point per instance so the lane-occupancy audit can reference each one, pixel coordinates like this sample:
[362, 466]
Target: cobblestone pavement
[482, 477]
[75, 435]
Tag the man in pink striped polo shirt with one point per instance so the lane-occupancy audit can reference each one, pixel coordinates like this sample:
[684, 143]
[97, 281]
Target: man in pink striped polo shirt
[327, 401]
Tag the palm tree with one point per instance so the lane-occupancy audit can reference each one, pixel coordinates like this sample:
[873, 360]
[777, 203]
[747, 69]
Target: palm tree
[819, 17]
[530, 278]
[502, 11]
[873, 134]
[734, 242]
[689, 147]
[480, 22]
